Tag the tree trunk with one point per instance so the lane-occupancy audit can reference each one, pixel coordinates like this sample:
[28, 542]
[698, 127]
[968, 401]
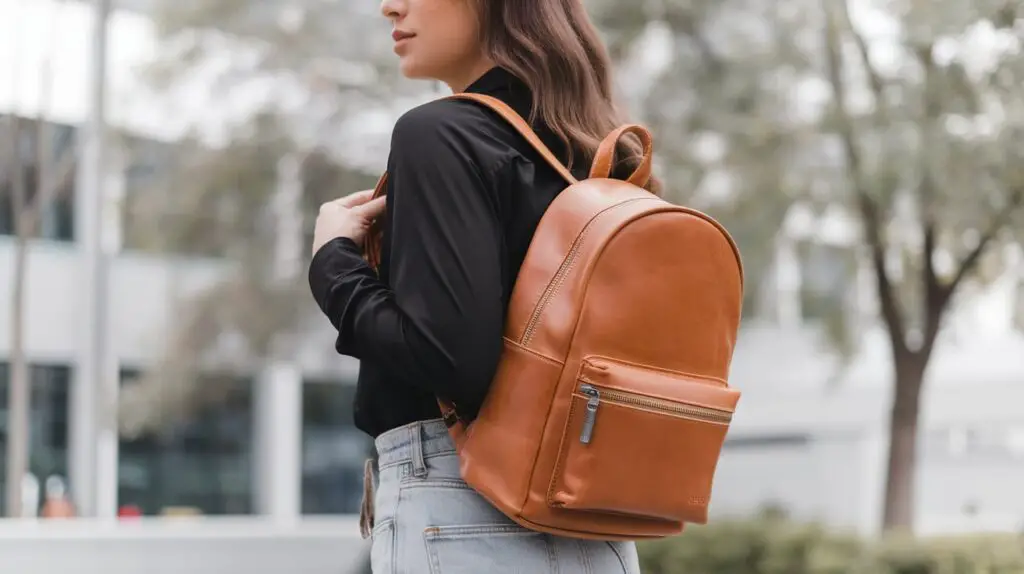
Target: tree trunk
[18, 391]
[898, 514]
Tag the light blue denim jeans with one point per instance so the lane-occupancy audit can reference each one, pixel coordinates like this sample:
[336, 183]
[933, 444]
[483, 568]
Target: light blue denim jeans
[427, 520]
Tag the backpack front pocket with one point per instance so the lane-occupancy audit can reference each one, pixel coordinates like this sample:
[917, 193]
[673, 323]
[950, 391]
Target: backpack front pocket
[641, 442]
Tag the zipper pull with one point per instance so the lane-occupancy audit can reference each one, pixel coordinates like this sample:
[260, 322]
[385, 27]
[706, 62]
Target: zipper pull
[591, 414]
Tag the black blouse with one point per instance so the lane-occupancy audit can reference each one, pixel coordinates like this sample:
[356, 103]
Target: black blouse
[464, 195]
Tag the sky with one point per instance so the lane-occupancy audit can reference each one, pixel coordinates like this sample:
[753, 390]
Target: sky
[32, 29]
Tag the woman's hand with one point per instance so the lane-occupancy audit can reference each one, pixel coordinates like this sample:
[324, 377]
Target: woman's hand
[349, 216]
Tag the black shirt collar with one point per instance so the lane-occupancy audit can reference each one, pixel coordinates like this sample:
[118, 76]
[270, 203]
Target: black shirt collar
[502, 84]
[497, 79]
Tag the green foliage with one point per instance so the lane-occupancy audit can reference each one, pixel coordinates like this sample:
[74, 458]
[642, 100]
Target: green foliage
[773, 545]
[979, 554]
[768, 545]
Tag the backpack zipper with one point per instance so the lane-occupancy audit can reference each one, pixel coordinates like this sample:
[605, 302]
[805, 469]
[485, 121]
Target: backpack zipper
[563, 272]
[590, 416]
[560, 275]
[595, 397]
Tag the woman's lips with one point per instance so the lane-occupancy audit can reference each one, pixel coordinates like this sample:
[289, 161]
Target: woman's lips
[399, 35]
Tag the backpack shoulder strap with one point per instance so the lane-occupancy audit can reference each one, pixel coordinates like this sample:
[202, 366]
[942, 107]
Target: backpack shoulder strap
[517, 121]
[373, 238]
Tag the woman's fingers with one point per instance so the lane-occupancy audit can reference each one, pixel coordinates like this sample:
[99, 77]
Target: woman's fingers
[354, 199]
[372, 208]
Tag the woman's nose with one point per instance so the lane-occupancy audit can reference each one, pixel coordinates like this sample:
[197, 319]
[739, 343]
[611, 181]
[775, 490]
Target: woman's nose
[392, 9]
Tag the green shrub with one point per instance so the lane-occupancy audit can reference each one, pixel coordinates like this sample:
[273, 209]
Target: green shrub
[773, 545]
[973, 554]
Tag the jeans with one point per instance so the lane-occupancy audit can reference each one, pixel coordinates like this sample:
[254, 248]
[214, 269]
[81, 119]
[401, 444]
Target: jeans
[427, 520]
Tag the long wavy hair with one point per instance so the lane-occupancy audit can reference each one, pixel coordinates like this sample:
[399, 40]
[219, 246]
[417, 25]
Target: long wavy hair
[554, 48]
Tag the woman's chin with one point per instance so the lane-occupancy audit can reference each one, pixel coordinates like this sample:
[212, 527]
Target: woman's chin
[414, 70]
[407, 65]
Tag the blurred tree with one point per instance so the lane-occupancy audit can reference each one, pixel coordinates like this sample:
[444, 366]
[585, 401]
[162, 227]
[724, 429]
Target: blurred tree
[932, 164]
[227, 203]
[727, 138]
[300, 71]
[36, 168]
[913, 132]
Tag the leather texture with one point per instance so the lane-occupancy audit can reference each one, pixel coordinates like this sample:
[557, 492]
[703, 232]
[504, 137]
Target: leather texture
[610, 406]
[602, 166]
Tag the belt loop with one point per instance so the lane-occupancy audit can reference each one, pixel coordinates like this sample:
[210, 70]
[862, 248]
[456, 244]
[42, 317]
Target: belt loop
[366, 510]
[419, 465]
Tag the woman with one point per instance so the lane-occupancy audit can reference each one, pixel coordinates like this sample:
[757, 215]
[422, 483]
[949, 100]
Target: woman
[464, 195]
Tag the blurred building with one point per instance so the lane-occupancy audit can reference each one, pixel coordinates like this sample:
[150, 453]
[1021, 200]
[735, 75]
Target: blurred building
[810, 435]
[281, 441]
[211, 461]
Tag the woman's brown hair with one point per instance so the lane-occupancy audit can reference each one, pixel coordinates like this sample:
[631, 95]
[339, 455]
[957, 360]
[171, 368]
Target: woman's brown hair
[552, 46]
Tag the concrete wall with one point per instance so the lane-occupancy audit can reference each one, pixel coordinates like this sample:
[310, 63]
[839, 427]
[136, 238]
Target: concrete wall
[177, 546]
[146, 293]
[970, 465]
[820, 480]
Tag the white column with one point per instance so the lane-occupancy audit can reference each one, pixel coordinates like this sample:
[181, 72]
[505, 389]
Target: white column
[278, 420]
[93, 366]
[278, 444]
[107, 447]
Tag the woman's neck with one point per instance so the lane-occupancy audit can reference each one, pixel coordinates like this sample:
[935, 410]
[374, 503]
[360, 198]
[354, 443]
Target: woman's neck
[469, 74]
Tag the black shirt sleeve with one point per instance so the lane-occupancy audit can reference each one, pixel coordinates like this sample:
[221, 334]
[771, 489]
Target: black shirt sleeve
[439, 325]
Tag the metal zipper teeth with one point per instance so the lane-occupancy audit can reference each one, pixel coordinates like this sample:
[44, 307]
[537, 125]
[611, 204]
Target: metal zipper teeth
[666, 406]
[560, 276]
[563, 272]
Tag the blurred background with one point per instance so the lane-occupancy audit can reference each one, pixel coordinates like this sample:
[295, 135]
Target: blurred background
[168, 382]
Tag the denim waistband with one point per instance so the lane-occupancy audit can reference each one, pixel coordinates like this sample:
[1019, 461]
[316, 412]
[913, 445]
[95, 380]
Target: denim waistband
[413, 442]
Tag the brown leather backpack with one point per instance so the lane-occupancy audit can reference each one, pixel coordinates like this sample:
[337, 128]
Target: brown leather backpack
[610, 406]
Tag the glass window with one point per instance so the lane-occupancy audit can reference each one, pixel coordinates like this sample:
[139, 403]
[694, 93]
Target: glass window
[992, 441]
[333, 450]
[764, 441]
[48, 422]
[57, 218]
[202, 462]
